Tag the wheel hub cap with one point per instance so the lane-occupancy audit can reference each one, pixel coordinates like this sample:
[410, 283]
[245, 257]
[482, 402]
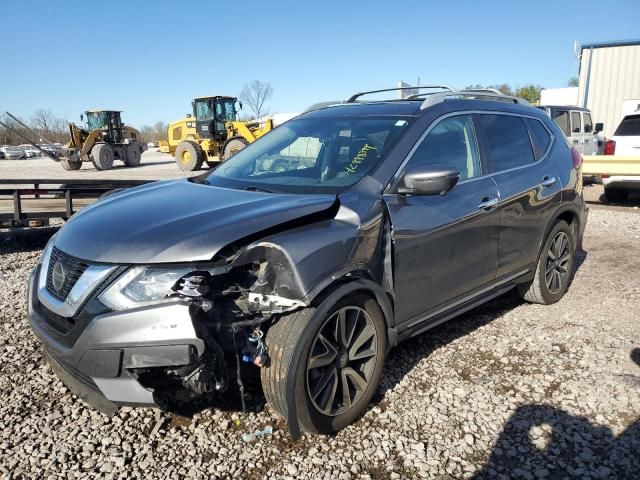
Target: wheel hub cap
[341, 361]
[558, 263]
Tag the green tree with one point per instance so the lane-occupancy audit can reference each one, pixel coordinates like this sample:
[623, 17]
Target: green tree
[573, 82]
[531, 93]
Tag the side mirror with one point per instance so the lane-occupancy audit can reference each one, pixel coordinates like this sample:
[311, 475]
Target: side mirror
[240, 104]
[428, 180]
[81, 117]
[599, 127]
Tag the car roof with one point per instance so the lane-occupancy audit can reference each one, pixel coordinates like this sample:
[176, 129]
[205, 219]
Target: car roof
[565, 107]
[413, 108]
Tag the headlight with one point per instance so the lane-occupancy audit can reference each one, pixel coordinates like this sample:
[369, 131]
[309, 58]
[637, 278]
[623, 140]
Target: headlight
[141, 286]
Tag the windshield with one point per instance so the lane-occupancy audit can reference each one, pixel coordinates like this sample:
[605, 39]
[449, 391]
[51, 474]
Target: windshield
[311, 155]
[96, 120]
[630, 127]
[225, 109]
[204, 110]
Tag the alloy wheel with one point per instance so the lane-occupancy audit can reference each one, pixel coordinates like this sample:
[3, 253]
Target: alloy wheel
[556, 271]
[341, 361]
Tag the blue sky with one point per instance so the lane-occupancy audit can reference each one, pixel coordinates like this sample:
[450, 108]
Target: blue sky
[150, 58]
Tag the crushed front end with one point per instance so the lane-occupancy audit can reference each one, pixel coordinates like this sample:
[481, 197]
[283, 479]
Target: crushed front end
[165, 336]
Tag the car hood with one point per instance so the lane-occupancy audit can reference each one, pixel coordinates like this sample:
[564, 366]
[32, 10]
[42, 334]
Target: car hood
[179, 221]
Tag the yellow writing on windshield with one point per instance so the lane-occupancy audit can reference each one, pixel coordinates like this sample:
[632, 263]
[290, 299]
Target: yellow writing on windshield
[358, 159]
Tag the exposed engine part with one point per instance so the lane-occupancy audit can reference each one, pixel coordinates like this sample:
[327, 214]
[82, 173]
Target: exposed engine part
[272, 303]
[203, 380]
[255, 351]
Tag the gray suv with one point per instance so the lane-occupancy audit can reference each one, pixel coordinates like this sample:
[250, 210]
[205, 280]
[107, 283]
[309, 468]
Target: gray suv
[311, 253]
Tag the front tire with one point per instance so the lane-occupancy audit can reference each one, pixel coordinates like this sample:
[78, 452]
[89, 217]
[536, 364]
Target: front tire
[554, 269]
[339, 365]
[233, 146]
[189, 156]
[102, 156]
[70, 165]
[133, 156]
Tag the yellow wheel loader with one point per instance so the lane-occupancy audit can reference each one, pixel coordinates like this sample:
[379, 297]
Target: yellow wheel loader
[212, 134]
[104, 140]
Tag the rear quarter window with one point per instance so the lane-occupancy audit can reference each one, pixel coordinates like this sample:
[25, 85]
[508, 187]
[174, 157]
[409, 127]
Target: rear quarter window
[540, 137]
[506, 141]
[629, 127]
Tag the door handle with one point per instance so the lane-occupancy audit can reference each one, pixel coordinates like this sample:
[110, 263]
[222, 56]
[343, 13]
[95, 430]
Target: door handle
[548, 181]
[488, 203]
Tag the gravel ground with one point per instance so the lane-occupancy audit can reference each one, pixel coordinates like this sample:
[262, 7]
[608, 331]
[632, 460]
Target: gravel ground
[154, 166]
[508, 390]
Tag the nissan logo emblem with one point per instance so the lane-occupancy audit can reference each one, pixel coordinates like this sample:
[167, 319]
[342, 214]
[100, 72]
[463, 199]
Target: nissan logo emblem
[58, 276]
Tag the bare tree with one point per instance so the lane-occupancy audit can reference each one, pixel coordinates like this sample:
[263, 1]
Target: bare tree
[43, 119]
[254, 95]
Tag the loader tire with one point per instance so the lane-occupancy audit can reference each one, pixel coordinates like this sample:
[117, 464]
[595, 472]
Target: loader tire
[133, 156]
[70, 165]
[233, 146]
[102, 156]
[189, 156]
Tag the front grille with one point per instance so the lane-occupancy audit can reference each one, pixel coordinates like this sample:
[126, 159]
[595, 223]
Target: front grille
[73, 269]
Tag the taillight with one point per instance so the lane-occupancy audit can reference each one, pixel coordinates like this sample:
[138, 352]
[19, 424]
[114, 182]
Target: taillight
[609, 147]
[576, 158]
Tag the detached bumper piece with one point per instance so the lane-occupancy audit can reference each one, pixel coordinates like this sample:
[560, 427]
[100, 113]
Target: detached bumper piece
[82, 386]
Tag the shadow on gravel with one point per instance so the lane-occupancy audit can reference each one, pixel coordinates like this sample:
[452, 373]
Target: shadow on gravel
[25, 239]
[631, 202]
[539, 441]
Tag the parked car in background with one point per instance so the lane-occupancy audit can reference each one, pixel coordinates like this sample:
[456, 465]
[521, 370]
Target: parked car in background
[49, 148]
[309, 254]
[578, 127]
[625, 142]
[12, 153]
[30, 151]
[2, 156]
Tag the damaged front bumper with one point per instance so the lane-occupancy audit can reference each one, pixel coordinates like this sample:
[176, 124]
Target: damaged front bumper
[101, 365]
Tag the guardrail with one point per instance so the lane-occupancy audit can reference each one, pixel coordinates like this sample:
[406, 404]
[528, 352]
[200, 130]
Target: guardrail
[610, 165]
[33, 202]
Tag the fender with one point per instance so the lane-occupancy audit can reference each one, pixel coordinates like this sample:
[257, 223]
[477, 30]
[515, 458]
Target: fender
[573, 210]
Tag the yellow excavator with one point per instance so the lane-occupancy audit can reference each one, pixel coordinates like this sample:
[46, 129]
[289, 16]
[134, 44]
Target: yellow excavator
[102, 140]
[212, 134]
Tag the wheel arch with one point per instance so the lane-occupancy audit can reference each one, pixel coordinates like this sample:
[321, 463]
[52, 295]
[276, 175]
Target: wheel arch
[570, 215]
[339, 286]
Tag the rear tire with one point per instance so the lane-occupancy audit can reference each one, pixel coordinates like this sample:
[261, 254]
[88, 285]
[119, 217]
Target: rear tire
[233, 146]
[133, 156]
[102, 156]
[555, 267]
[189, 156]
[70, 165]
[616, 195]
[334, 379]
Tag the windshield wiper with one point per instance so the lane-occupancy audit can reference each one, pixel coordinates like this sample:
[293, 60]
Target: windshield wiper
[253, 188]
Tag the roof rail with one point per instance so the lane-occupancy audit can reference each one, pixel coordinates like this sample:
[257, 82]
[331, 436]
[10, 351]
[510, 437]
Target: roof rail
[355, 96]
[440, 97]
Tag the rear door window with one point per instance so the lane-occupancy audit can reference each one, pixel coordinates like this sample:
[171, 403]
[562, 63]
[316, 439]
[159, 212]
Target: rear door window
[575, 123]
[540, 137]
[506, 141]
[561, 117]
[629, 127]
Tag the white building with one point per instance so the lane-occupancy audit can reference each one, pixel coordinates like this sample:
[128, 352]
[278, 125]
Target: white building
[609, 81]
